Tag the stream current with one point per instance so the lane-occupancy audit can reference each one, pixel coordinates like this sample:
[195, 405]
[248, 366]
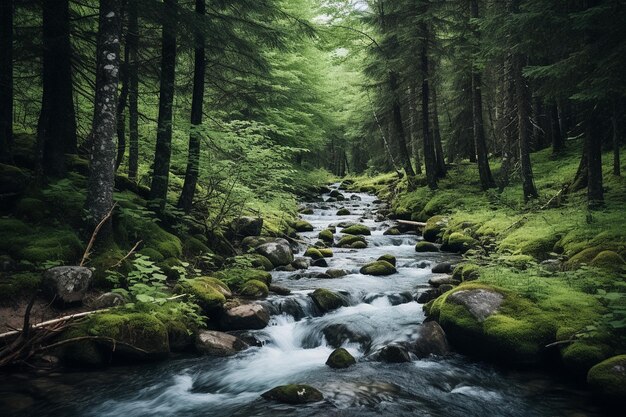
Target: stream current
[294, 349]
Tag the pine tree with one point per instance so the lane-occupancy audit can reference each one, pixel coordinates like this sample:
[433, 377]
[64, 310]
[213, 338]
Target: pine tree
[6, 79]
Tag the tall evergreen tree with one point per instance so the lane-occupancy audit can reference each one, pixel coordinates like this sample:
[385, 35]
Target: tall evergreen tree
[6, 79]
[132, 45]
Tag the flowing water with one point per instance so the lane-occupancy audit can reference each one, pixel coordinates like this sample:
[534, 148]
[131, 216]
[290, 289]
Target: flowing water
[294, 350]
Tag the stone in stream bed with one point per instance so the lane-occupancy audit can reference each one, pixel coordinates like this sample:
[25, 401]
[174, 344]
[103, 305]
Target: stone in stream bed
[392, 231]
[327, 300]
[439, 281]
[338, 334]
[430, 340]
[302, 226]
[277, 289]
[278, 252]
[293, 394]
[327, 236]
[349, 240]
[394, 353]
[389, 258]
[245, 317]
[218, 343]
[426, 247]
[343, 212]
[320, 262]
[378, 268]
[336, 273]
[357, 229]
[359, 245]
[442, 268]
[313, 253]
[301, 263]
[340, 359]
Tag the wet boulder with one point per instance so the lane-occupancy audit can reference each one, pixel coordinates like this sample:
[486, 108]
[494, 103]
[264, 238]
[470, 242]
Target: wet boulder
[208, 292]
[392, 231]
[216, 343]
[67, 284]
[327, 300]
[608, 380]
[340, 359]
[245, 317]
[254, 289]
[430, 340]
[336, 273]
[428, 295]
[247, 226]
[394, 353]
[357, 229]
[343, 212]
[302, 226]
[348, 240]
[378, 268]
[313, 253]
[338, 334]
[389, 258]
[359, 245]
[320, 263]
[327, 236]
[426, 247]
[293, 394]
[301, 263]
[278, 252]
[439, 281]
[277, 289]
[458, 242]
[434, 228]
[442, 268]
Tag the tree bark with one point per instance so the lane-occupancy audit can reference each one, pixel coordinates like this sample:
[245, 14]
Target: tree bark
[616, 134]
[441, 164]
[509, 117]
[430, 158]
[132, 44]
[523, 121]
[413, 129]
[558, 141]
[122, 101]
[163, 151]
[102, 162]
[6, 80]
[57, 120]
[480, 142]
[193, 159]
[398, 127]
[593, 146]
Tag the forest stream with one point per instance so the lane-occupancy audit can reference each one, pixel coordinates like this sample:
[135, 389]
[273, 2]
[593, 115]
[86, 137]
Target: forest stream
[294, 349]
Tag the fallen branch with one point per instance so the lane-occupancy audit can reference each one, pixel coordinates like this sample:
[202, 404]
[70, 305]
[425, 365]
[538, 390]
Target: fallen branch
[412, 223]
[128, 254]
[94, 234]
[54, 321]
[96, 338]
[545, 206]
[561, 342]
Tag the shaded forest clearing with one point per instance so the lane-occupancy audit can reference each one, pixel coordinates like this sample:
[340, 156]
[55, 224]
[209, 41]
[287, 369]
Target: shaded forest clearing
[348, 207]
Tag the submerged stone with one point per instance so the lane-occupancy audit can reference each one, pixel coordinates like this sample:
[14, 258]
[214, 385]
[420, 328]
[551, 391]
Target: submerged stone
[293, 394]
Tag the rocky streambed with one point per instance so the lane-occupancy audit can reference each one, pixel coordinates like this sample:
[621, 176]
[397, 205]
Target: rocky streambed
[347, 337]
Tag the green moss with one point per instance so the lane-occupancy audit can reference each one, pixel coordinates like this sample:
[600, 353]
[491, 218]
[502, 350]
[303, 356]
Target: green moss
[313, 253]
[359, 245]
[326, 300]
[326, 236]
[394, 231]
[434, 228]
[103, 260]
[518, 261]
[13, 179]
[15, 286]
[293, 394]
[608, 260]
[466, 272]
[378, 268]
[194, 247]
[154, 255]
[350, 239]
[254, 260]
[52, 245]
[340, 359]
[254, 289]
[584, 257]
[208, 292]
[236, 277]
[326, 252]
[31, 209]
[580, 356]
[357, 229]
[458, 242]
[426, 247]
[302, 226]
[388, 258]
[343, 212]
[608, 379]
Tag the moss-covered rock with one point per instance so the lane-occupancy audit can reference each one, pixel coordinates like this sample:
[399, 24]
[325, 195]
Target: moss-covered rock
[236, 277]
[357, 229]
[608, 379]
[326, 252]
[31, 209]
[518, 261]
[608, 260]
[254, 289]
[17, 285]
[313, 253]
[433, 230]
[340, 359]
[584, 257]
[389, 258]
[466, 272]
[581, 355]
[13, 179]
[348, 240]
[327, 300]
[303, 226]
[194, 247]
[153, 254]
[359, 245]
[458, 242]
[208, 292]
[343, 212]
[393, 231]
[293, 394]
[378, 268]
[426, 247]
[327, 236]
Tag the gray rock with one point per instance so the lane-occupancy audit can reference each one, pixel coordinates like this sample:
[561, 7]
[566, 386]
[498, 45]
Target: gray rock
[439, 281]
[337, 334]
[67, 284]
[247, 226]
[428, 295]
[320, 262]
[245, 317]
[277, 289]
[218, 343]
[278, 252]
[301, 263]
[394, 353]
[431, 340]
[442, 268]
[108, 299]
[480, 303]
[286, 268]
[336, 273]
[355, 197]
[293, 394]
[552, 265]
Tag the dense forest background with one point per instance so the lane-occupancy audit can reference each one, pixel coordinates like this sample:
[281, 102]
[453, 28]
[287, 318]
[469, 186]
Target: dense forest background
[145, 139]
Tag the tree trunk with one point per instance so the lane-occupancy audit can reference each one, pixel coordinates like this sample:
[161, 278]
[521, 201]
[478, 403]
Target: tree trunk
[430, 158]
[413, 129]
[56, 129]
[509, 116]
[593, 146]
[480, 142]
[102, 163]
[441, 164]
[523, 120]
[558, 142]
[193, 160]
[6, 80]
[615, 123]
[121, 103]
[132, 44]
[163, 151]
[398, 127]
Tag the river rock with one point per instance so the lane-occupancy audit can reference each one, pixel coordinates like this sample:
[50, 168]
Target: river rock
[480, 303]
[608, 380]
[357, 229]
[439, 281]
[247, 226]
[394, 353]
[338, 334]
[286, 268]
[216, 343]
[389, 258]
[336, 273]
[301, 263]
[67, 284]
[426, 247]
[293, 394]
[277, 289]
[278, 252]
[442, 268]
[378, 268]
[327, 300]
[320, 263]
[343, 212]
[245, 317]
[428, 295]
[431, 340]
[355, 197]
[340, 359]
